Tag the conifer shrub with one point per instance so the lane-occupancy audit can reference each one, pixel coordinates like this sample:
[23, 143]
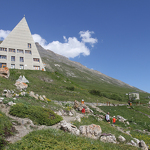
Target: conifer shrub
[95, 92]
[37, 114]
[70, 88]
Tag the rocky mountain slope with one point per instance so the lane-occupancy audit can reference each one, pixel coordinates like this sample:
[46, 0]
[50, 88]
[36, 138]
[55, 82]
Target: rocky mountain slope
[72, 69]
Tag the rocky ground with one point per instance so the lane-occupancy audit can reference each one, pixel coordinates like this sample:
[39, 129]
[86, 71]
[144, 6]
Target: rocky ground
[25, 125]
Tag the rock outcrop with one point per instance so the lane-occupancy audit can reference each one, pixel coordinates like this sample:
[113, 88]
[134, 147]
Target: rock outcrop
[92, 131]
[4, 72]
[69, 127]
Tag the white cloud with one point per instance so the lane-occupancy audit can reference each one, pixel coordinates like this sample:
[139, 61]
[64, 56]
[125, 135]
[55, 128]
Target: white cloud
[3, 34]
[39, 39]
[71, 47]
[86, 37]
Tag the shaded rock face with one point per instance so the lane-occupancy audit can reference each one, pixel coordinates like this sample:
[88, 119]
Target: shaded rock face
[4, 72]
[69, 127]
[92, 131]
[143, 145]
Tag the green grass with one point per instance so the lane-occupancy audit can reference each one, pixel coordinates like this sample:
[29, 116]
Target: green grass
[54, 84]
[136, 119]
[106, 128]
[37, 114]
[59, 140]
[5, 129]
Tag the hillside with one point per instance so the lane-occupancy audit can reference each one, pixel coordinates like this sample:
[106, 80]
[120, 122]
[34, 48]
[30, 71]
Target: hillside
[75, 70]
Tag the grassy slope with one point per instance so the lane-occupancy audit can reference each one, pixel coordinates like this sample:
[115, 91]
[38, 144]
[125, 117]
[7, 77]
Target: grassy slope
[52, 139]
[59, 140]
[53, 85]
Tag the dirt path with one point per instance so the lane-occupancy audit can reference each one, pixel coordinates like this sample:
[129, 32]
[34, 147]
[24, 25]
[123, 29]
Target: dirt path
[24, 125]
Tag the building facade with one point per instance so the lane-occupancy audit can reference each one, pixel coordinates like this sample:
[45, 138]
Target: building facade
[18, 50]
[134, 96]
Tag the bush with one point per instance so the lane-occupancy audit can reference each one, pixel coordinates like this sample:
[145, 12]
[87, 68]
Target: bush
[70, 88]
[95, 92]
[38, 115]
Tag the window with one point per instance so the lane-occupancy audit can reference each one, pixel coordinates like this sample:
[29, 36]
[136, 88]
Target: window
[21, 67]
[12, 58]
[12, 66]
[29, 45]
[3, 65]
[36, 59]
[3, 56]
[3, 49]
[21, 59]
[27, 51]
[19, 51]
[36, 67]
[11, 50]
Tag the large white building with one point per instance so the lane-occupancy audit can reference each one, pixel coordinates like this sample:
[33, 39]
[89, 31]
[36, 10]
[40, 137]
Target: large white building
[18, 50]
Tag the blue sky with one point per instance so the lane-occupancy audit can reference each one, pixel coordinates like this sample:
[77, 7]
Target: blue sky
[111, 36]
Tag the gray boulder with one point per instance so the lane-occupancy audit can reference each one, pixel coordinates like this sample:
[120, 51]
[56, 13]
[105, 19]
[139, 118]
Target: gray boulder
[108, 139]
[142, 145]
[92, 131]
[69, 127]
[121, 138]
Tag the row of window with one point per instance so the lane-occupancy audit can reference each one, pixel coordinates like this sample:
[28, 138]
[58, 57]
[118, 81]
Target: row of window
[13, 50]
[22, 67]
[21, 58]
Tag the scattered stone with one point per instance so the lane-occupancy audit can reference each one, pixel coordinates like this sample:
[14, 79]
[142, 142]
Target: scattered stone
[73, 112]
[31, 94]
[41, 98]
[23, 93]
[70, 114]
[22, 79]
[127, 123]
[121, 138]
[21, 85]
[59, 113]
[8, 94]
[137, 141]
[108, 139]
[11, 103]
[78, 119]
[133, 143]
[128, 132]
[121, 119]
[143, 145]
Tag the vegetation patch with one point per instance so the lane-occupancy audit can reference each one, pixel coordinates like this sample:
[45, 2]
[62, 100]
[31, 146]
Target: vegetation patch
[37, 114]
[59, 140]
[6, 129]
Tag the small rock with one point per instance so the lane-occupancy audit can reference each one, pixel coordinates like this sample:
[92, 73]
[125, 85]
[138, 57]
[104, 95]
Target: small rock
[121, 138]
